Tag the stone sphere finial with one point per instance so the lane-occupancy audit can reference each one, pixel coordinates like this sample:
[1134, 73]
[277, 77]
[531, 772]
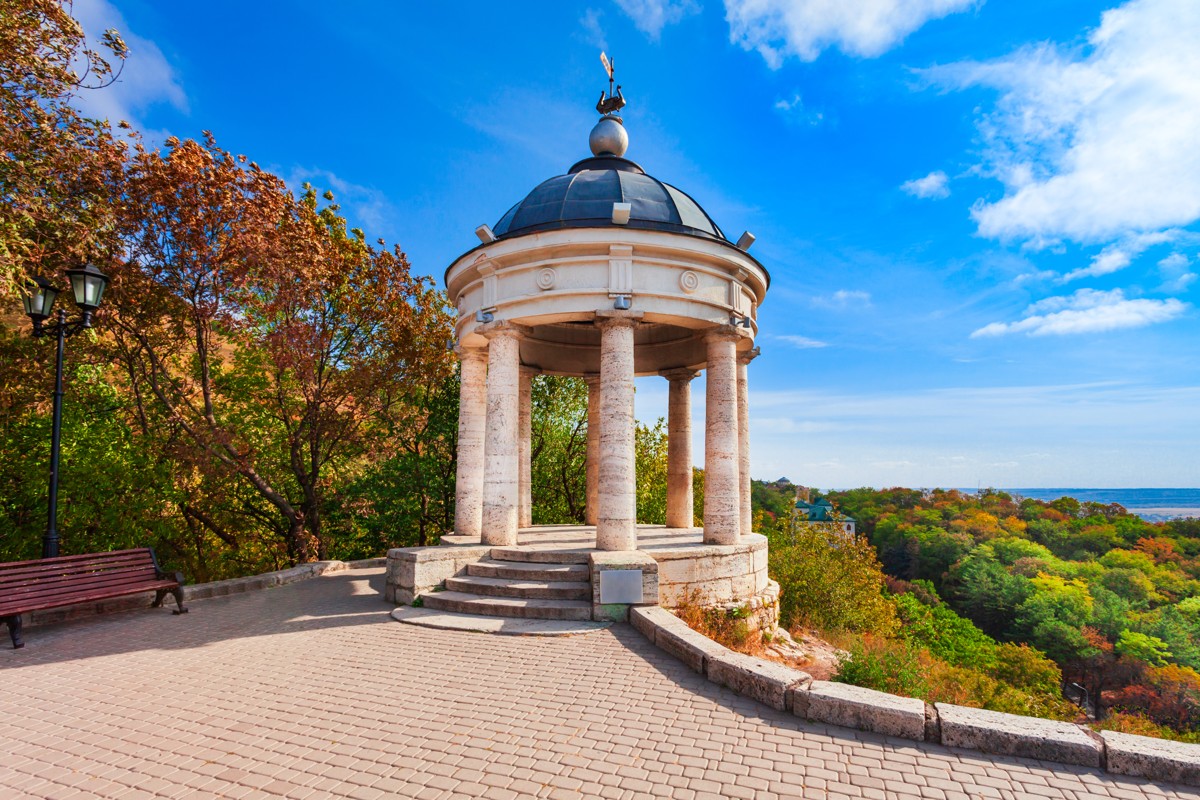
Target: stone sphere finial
[609, 137]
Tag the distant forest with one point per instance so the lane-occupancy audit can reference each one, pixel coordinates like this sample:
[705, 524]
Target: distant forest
[1112, 600]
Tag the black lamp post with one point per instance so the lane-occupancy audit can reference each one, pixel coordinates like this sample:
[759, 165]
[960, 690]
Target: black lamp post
[87, 284]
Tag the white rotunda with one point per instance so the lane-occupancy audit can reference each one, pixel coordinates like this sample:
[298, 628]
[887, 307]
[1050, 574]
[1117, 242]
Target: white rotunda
[606, 273]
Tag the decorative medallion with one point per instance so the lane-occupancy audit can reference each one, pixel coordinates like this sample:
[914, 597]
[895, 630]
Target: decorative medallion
[546, 279]
[689, 281]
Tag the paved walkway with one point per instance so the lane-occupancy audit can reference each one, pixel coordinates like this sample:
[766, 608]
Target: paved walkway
[312, 691]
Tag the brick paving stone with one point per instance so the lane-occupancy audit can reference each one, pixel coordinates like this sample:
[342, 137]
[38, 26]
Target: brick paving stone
[311, 692]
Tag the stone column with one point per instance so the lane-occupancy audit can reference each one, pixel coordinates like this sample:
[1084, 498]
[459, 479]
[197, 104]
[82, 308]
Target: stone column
[616, 522]
[500, 475]
[591, 512]
[722, 496]
[743, 400]
[472, 420]
[525, 479]
[680, 512]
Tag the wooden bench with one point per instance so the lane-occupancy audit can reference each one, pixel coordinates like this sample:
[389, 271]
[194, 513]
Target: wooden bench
[43, 583]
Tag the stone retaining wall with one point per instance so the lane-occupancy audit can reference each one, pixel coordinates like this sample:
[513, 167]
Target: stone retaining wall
[199, 591]
[788, 689]
[712, 575]
[412, 571]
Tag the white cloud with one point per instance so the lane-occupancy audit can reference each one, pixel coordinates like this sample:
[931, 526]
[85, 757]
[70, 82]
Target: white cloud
[777, 29]
[934, 185]
[842, 298]
[1087, 311]
[1037, 276]
[1174, 263]
[1098, 142]
[802, 342]
[1118, 256]
[147, 77]
[591, 26]
[794, 110]
[1176, 273]
[651, 16]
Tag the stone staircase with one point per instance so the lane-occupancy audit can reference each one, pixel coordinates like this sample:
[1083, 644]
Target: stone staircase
[523, 583]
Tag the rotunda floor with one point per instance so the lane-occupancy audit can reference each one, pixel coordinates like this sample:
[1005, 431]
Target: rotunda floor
[582, 538]
[311, 691]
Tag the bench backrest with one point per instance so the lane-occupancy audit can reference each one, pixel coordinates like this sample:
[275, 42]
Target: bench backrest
[45, 578]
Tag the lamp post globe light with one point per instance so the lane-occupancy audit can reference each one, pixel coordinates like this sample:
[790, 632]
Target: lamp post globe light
[87, 285]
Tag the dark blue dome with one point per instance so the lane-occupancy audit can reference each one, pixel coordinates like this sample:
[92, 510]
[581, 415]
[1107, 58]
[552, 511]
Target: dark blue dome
[584, 197]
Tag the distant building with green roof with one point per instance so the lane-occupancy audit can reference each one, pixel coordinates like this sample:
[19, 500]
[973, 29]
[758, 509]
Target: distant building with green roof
[821, 511]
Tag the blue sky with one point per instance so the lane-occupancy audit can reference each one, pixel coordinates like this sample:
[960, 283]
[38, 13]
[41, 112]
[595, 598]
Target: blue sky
[980, 217]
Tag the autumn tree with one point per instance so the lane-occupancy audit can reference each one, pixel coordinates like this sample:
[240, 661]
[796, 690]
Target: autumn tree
[270, 334]
[56, 166]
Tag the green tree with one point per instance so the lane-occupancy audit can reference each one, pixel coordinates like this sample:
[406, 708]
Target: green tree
[828, 582]
[1150, 649]
[558, 450]
[984, 591]
[406, 499]
[651, 460]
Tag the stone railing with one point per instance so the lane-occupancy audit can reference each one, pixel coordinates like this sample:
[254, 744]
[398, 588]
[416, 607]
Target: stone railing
[788, 689]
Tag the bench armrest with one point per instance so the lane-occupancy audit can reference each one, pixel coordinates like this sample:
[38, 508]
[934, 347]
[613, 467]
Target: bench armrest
[163, 575]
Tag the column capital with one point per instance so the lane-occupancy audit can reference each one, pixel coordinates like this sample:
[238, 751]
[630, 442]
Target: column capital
[749, 355]
[679, 374]
[723, 333]
[470, 353]
[611, 318]
[502, 327]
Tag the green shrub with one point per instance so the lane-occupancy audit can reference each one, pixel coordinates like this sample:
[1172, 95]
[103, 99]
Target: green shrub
[829, 583]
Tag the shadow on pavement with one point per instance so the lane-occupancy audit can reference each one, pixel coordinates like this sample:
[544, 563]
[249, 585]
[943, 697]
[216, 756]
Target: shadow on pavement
[339, 600]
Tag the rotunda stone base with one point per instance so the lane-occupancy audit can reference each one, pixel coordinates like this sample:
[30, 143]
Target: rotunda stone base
[708, 575]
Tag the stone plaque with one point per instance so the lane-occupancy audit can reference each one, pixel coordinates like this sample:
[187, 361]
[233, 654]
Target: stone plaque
[620, 586]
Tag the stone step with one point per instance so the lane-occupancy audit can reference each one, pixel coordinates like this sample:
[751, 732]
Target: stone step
[452, 621]
[540, 556]
[525, 571]
[530, 590]
[466, 603]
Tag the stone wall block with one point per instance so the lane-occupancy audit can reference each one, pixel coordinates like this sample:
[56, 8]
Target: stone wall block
[412, 571]
[1012, 735]
[672, 635]
[743, 586]
[676, 571]
[864, 709]
[766, 681]
[643, 620]
[1155, 759]
[760, 560]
